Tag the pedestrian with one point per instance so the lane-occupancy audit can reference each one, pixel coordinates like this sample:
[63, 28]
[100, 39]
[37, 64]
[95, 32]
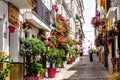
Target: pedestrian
[90, 54]
[81, 51]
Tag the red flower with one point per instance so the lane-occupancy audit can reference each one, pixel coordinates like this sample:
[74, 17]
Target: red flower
[55, 8]
[56, 45]
[115, 23]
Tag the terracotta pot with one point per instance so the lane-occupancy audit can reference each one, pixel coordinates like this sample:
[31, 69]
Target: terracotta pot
[11, 29]
[31, 78]
[51, 72]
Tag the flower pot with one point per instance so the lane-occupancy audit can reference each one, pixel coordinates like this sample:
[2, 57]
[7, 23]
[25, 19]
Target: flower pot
[73, 59]
[70, 62]
[31, 78]
[51, 72]
[11, 29]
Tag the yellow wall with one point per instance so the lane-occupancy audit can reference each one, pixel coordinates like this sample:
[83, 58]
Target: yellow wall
[102, 3]
[2, 66]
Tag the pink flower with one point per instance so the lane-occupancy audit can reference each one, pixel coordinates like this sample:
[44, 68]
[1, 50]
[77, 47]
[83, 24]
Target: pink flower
[56, 45]
[115, 23]
[55, 8]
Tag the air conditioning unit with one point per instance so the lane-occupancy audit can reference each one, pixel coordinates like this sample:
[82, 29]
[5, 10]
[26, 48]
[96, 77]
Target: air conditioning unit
[1, 9]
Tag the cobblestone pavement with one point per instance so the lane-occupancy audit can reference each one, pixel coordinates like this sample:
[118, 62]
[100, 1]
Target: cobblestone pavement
[83, 70]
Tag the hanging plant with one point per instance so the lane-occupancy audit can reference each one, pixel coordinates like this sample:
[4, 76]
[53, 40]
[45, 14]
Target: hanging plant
[117, 24]
[27, 25]
[95, 22]
[112, 33]
[11, 29]
[55, 7]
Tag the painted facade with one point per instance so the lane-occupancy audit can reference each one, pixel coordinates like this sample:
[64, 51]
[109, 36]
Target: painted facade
[109, 12]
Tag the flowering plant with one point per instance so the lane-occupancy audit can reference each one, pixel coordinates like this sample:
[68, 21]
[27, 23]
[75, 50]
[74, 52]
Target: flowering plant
[55, 7]
[98, 40]
[59, 35]
[117, 24]
[4, 72]
[112, 33]
[3, 56]
[27, 25]
[95, 21]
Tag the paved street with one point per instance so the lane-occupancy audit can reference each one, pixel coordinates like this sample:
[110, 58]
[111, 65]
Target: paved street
[82, 70]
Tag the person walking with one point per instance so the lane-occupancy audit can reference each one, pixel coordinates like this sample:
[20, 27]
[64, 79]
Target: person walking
[90, 54]
[81, 51]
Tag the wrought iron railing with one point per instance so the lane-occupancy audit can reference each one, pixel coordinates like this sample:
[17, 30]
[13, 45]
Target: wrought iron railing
[42, 11]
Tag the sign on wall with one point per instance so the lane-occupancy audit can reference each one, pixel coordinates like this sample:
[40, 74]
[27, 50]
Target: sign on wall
[13, 14]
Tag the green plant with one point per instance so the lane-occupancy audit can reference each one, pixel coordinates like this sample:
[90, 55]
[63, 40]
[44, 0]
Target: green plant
[33, 68]
[68, 59]
[61, 57]
[72, 51]
[32, 47]
[4, 72]
[52, 55]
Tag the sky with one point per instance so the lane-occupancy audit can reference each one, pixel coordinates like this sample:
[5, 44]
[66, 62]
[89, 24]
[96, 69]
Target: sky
[88, 29]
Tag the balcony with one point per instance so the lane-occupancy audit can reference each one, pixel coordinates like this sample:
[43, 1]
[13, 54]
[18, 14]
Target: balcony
[39, 16]
[22, 4]
[67, 7]
[111, 12]
[42, 11]
[116, 2]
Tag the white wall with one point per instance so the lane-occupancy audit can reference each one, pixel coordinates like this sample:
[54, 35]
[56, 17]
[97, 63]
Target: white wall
[14, 47]
[4, 35]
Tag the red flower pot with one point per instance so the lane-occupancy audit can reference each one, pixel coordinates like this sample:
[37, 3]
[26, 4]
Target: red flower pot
[31, 78]
[11, 29]
[51, 72]
[73, 59]
[70, 62]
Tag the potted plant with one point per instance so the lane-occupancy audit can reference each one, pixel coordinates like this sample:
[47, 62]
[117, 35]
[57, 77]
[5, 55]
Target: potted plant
[4, 71]
[52, 57]
[55, 58]
[61, 57]
[30, 49]
[33, 69]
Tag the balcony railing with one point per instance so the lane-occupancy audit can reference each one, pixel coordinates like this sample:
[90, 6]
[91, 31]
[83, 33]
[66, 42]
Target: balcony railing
[42, 11]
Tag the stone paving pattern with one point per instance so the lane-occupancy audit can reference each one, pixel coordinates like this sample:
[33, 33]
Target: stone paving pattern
[82, 70]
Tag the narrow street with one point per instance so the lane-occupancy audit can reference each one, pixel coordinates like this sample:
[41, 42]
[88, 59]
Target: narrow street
[82, 70]
[45, 39]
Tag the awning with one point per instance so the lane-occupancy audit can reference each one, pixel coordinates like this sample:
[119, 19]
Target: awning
[36, 21]
[111, 12]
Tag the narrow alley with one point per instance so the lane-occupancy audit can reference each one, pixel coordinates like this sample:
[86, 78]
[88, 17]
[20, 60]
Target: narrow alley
[46, 39]
[82, 70]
